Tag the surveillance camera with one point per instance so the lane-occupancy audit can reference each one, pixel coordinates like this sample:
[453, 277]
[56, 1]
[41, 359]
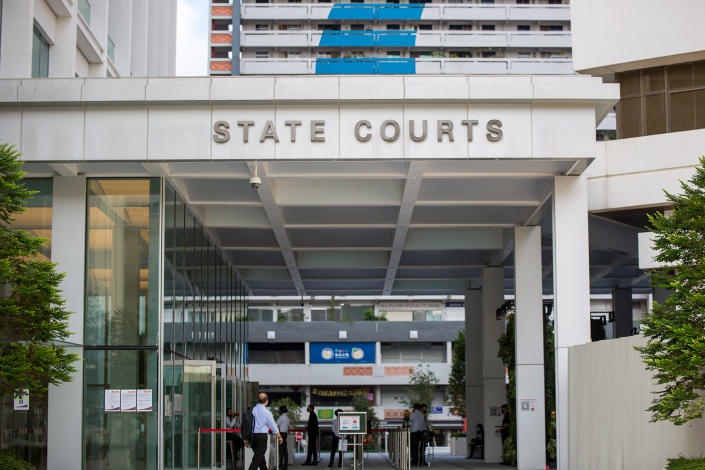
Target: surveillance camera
[255, 182]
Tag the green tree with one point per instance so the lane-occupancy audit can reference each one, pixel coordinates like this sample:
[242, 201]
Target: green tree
[421, 385]
[507, 353]
[293, 407]
[456, 381]
[32, 317]
[361, 403]
[675, 329]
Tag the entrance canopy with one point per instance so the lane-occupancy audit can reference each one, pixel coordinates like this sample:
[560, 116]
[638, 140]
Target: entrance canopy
[369, 185]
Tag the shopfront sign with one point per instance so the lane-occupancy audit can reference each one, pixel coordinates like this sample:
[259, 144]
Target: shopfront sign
[342, 353]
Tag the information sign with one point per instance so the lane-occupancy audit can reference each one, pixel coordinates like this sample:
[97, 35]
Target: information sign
[342, 353]
[352, 422]
[22, 403]
[128, 400]
[112, 400]
[144, 400]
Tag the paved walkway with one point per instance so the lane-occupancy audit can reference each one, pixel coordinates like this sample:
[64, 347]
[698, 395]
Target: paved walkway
[380, 462]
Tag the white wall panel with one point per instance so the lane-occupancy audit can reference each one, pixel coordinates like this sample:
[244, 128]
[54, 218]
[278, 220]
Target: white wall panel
[609, 425]
[117, 134]
[179, 133]
[554, 137]
[52, 134]
[631, 34]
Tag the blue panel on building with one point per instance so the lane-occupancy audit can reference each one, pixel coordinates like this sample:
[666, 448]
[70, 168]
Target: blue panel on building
[396, 38]
[367, 38]
[348, 39]
[342, 353]
[365, 66]
[352, 11]
[396, 66]
[371, 11]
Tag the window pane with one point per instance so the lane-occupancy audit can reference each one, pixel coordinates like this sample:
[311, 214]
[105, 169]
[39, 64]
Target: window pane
[655, 107]
[700, 109]
[682, 111]
[36, 46]
[680, 76]
[122, 261]
[629, 111]
[629, 83]
[654, 80]
[118, 440]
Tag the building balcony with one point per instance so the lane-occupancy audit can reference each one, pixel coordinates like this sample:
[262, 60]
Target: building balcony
[341, 374]
[392, 66]
[460, 39]
[371, 11]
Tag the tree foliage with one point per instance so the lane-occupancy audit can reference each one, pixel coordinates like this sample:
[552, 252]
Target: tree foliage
[421, 385]
[456, 381]
[675, 329]
[294, 410]
[32, 316]
[507, 353]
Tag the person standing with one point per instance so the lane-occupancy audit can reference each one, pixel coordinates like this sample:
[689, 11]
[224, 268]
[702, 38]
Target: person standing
[264, 421]
[335, 441]
[284, 426]
[417, 425]
[312, 431]
[232, 437]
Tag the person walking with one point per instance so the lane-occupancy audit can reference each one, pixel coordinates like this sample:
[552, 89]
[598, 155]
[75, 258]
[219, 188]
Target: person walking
[284, 426]
[417, 426]
[335, 441]
[264, 421]
[312, 431]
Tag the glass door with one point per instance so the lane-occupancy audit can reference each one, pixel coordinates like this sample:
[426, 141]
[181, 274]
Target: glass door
[199, 411]
[220, 415]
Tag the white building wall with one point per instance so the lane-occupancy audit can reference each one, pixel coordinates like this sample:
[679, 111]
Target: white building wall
[613, 36]
[629, 173]
[67, 32]
[609, 425]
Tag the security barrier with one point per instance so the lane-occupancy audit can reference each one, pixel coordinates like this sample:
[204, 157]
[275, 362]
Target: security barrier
[398, 447]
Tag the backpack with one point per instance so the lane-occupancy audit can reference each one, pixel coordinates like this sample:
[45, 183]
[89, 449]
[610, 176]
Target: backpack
[248, 425]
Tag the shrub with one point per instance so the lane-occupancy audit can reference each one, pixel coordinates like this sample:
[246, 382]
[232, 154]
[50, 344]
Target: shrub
[682, 463]
[10, 462]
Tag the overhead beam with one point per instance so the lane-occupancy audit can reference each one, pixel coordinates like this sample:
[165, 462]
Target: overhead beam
[535, 215]
[502, 254]
[408, 201]
[620, 261]
[277, 223]
[65, 169]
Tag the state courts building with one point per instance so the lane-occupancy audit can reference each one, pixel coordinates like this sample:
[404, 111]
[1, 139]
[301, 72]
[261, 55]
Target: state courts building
[373, 186]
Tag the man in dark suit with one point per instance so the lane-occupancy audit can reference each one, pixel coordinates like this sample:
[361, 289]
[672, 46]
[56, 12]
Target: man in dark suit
[312, 430]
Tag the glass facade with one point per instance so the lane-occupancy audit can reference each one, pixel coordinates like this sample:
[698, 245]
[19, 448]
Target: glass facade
[140, 232]
[121, 323]
[661, 99]
[204, 320]
[24, 433]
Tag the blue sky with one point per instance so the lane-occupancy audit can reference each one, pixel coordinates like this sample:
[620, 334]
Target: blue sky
[192, 38]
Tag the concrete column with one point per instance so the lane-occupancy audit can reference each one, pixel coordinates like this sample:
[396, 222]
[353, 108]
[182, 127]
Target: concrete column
[474, 385]
[378, 395]
[235, 70]
[307, 353]
[530, 398]
[494, 388]
[449, 352]
[17, 34]
[571, 289]
[65, 402]
[622, 308]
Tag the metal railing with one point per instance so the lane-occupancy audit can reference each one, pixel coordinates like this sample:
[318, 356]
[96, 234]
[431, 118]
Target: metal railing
[398, 447]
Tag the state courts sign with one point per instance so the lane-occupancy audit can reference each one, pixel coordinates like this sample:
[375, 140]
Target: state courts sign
[370, 132]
